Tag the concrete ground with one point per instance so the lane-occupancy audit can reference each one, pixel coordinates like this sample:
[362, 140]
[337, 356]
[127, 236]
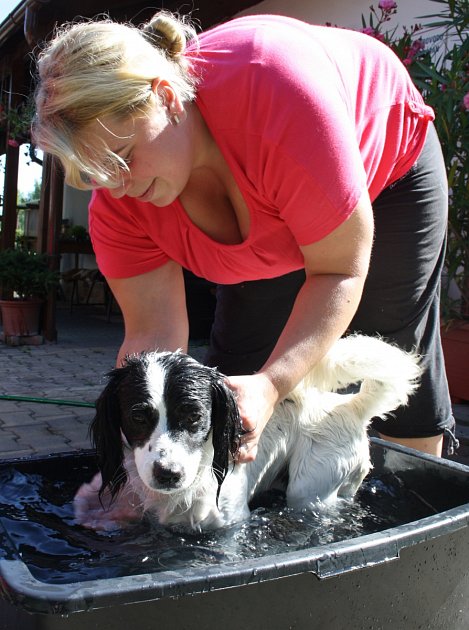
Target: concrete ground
[73, 370]
[37, 383]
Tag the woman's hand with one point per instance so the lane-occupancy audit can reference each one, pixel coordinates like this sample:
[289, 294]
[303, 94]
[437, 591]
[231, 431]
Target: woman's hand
[256, 397]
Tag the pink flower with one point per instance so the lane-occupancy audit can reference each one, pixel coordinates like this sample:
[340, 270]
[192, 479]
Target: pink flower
[465, 101]
[387, 5]
[13, 143]
[369, 31]
[413, 51]
[417, 46]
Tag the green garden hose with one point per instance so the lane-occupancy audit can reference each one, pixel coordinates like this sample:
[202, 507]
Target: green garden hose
[47, 401]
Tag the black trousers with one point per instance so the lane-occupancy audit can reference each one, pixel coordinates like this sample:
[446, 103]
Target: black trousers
[400, 301]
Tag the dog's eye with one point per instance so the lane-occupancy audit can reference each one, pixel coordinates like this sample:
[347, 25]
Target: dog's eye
[189, 418]
[144, 416]
[192, 422]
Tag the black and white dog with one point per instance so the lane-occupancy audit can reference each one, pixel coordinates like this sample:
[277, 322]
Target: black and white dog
[169, 426]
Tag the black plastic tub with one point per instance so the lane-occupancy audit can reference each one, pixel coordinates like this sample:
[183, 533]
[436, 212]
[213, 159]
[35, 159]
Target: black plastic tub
[412, 574]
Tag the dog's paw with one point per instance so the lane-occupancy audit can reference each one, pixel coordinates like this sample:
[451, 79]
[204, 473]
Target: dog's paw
[102, 514]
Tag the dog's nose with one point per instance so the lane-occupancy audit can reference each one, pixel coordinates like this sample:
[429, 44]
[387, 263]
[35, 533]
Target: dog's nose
[165, 476]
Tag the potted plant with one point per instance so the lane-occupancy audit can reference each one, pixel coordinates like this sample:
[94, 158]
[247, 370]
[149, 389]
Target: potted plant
[25, 279]
[443, 78]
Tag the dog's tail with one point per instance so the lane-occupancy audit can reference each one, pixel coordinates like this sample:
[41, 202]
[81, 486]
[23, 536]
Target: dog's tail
[388, 375]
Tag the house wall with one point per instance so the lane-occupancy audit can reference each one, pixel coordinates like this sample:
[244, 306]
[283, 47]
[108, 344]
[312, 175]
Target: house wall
[75, 210]
[342, 12]
[76, 205]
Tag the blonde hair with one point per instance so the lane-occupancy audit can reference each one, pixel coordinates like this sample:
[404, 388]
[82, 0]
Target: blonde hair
[101, 68]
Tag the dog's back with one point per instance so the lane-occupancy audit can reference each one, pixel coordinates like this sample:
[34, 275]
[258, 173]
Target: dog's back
[323, 434]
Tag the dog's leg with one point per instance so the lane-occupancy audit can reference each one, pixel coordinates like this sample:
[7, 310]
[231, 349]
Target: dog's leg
[330, 458]
[318, 476]
[101, 512]
[350, 486]
[233, 499]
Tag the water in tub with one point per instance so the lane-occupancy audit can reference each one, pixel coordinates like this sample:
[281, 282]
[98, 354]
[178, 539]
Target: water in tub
[36, 511]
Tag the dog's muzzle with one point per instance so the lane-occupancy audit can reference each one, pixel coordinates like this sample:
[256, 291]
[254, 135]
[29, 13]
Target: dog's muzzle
[166, 478]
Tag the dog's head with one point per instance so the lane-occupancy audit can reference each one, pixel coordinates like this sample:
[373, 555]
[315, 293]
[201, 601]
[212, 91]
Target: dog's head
[165, 406]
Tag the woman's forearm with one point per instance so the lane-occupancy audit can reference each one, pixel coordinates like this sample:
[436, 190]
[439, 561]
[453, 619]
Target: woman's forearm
[336, 268]
[154, 310]
[137, 342]
[322, 312]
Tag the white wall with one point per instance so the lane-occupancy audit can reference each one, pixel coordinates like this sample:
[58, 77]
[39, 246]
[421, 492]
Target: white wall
[76, 206]
[75, 209]
[343, 12]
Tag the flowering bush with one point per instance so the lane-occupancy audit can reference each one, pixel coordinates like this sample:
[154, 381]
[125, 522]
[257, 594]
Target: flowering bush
[443, 78]
[16, 122]
[406, 46]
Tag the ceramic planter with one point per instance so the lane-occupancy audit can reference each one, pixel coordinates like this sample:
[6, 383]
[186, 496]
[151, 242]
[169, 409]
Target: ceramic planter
[21, 318]
[455, 341]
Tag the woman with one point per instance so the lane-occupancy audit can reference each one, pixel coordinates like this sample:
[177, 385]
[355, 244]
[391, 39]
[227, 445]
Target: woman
[295, 166]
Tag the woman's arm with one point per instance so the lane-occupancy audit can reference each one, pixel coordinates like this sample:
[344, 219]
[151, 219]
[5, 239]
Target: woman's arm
[154, 309]
[336, 268]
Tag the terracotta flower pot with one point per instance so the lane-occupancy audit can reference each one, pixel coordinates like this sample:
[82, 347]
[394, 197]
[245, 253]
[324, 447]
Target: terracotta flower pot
[455, 341]
[20, 317]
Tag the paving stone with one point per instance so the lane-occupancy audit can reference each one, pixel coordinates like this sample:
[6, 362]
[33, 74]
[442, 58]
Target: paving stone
[8, 406]
[40, 438]
[9, 445]
[67, 423]
[76, 437]
[16, 418]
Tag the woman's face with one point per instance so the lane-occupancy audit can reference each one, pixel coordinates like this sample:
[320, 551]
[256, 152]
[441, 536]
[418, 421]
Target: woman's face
[159, 153]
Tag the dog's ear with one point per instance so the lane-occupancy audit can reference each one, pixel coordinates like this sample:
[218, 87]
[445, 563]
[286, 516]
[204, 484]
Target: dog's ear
[226, 429]
[105, 431]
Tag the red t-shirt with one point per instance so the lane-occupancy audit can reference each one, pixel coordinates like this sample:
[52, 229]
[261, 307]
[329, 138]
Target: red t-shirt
[306, 117]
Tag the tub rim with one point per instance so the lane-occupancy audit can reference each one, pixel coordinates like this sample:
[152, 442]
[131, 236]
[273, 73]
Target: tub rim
[20, 588]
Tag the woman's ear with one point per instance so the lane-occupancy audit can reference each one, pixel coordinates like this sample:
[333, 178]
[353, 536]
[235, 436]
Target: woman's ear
[167, 96]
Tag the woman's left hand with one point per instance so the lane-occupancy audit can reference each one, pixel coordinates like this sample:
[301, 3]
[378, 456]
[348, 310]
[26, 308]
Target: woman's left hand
[256, 397]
